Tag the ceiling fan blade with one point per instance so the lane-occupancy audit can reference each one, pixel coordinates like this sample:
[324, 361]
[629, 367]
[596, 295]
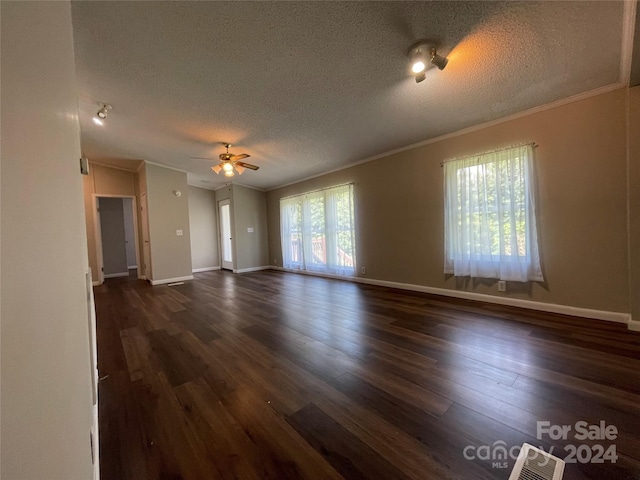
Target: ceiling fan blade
[239, 169]
[239, 157]
[216, 168]
[247, 165]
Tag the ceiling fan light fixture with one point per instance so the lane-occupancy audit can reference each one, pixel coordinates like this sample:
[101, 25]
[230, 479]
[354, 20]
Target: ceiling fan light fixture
[229, 163]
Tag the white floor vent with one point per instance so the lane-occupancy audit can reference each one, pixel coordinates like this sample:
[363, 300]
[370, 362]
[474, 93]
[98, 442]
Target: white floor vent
[535, 464]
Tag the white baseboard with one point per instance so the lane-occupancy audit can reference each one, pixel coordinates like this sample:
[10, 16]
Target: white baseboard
[171, 280]
[319, 274]
[617, 317]
[115, 275]
[205, 269]
[253, 269]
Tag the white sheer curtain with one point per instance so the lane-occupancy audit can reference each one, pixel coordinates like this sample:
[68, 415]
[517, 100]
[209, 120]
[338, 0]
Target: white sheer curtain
[318, 232]
[490, 223]
[291, 232]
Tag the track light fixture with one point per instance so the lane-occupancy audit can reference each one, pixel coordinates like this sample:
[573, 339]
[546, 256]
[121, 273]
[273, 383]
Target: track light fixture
[104, 110]
[420, 55]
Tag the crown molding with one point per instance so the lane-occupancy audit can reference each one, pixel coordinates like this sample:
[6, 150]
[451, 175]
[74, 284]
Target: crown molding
[525, 113]
[147, 162]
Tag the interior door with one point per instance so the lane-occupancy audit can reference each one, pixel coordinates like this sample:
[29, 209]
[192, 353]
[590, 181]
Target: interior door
[225, 235]
[146, 253]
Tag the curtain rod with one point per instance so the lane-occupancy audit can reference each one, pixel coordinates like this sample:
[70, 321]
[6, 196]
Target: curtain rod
[533, 144]
[317, 190]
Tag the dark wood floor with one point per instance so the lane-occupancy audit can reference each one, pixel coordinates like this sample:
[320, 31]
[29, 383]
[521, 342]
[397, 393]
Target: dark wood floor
[273, 376]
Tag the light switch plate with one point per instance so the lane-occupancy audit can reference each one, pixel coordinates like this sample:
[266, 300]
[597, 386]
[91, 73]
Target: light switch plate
[179, 233]
[249, 229]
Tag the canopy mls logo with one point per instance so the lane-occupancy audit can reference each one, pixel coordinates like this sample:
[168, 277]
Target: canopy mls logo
[499, 453]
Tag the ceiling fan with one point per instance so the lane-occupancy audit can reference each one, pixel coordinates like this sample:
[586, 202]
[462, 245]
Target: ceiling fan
[230, 163]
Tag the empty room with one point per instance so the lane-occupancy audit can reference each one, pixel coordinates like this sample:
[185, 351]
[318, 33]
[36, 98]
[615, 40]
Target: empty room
[320, 240]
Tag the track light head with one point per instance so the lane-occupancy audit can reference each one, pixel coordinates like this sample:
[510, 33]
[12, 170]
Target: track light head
[437, 60]
[104, 110]
[421, 54]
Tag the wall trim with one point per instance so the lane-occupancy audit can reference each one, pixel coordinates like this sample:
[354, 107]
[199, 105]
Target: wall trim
[525, 113]
[131, 267]
[114, 275]
[626, 56]
[96, 283]
[171, 280]
[205, 269]
[211, 188]
[147, 162]
[105, 165]
[634, 325]
[616, 317]
[252, 269]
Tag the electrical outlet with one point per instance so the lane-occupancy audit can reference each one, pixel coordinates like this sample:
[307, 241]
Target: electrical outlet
[363, 270]
[502, 286]
[179, 233]
[275, 261]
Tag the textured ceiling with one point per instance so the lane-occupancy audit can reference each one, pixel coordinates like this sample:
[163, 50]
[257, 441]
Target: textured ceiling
[307, 87]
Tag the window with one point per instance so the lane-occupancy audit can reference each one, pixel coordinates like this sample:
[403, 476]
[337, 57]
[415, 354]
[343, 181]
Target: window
[489, 216]
[317, 231]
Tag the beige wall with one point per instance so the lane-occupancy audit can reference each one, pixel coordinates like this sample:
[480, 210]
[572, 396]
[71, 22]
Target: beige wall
[634, 200]
[581, 202]
[103, 180]
[46, 401]
[250, 211]
[204, 228]
[112, 181]
[170, 253]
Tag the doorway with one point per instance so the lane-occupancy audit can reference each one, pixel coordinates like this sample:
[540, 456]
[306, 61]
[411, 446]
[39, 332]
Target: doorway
[116, 236]
[225, 235]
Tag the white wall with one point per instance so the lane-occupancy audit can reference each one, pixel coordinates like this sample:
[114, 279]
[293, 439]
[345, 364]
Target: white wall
[46, 399]
[204, 229]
